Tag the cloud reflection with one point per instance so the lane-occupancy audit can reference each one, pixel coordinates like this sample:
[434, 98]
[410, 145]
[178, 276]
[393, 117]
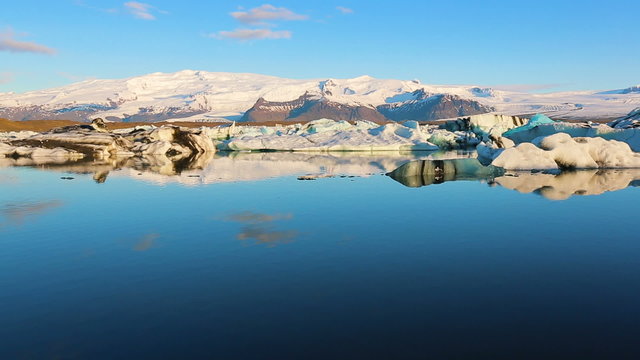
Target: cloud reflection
[249, 217]
[261, 229]
[266, 234]
[146, 242]
[18, 213]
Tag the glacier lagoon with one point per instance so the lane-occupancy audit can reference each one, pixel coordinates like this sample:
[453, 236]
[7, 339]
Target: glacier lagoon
[235, 257]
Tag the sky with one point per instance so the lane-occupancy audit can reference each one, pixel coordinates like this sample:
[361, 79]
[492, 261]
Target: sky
[535, 46]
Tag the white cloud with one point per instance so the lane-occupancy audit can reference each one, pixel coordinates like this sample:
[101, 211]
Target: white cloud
[141, 10]
[266, 12]
[259, 20]
[252, 34]
[10, 44]
[344, 10]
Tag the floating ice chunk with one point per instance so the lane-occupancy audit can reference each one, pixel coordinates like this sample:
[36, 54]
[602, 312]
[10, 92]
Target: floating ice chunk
[525, 156]
[411, 124]
[632, 120]
[16, 135]
[536, 120]
[485, 124]
[563, 151]
[452, 140]
[388, 137]
[322, 125]
[365, 125]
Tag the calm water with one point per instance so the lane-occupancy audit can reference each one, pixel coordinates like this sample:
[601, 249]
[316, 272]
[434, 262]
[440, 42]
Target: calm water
[241, 260]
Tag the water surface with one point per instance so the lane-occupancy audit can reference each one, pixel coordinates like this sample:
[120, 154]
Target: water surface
[238, 259]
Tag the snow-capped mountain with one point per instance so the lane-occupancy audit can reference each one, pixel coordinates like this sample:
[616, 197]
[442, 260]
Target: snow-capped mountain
[202, 96]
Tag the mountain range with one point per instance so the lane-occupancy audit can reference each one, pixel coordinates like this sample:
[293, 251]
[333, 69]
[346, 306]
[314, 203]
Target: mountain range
[215, 96]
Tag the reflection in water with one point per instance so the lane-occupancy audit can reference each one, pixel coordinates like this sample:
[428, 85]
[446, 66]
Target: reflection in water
[566, 184]
[266, 234]
[427, 172]
[554, 185]
[249, 217]
[239, 166]
[146, 242]
[259, 227]
[17, 213]
[8, 179]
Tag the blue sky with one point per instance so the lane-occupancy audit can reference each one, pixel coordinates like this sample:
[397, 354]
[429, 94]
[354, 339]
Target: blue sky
[533, 46]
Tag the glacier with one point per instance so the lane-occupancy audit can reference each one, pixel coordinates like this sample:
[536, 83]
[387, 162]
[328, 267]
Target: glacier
[192, 95]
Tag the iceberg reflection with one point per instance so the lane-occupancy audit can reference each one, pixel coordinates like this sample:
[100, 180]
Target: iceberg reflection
[566, 184]
[208, 168]
[551, 185]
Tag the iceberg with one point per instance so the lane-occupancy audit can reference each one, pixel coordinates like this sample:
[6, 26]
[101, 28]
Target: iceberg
[561, 151]
[631, 121]
[535, 121]
[329, 135]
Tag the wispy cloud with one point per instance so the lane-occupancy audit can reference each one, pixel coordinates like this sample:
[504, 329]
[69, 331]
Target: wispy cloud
[266, 13]
[8, 42]
[142, 11]
[6, 77]
[344, 10]
[252, 34]
[259, 20]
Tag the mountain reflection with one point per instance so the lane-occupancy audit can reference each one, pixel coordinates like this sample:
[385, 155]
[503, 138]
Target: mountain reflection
[553, 186]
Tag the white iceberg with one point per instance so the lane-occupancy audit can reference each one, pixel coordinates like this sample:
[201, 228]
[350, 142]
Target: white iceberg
[561, 151]
[330, 135]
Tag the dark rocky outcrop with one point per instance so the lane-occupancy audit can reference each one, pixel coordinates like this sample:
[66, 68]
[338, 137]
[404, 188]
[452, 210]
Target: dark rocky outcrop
[432, 107]
[307, 108]
[313, 107]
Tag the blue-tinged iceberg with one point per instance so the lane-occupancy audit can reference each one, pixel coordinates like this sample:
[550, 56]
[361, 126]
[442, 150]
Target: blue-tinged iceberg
[535, 121]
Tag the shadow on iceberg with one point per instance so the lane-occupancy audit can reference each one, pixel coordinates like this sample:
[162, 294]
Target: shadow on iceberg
[553, 185]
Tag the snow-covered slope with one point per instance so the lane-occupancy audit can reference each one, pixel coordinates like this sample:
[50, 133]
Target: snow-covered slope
[200, 95]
